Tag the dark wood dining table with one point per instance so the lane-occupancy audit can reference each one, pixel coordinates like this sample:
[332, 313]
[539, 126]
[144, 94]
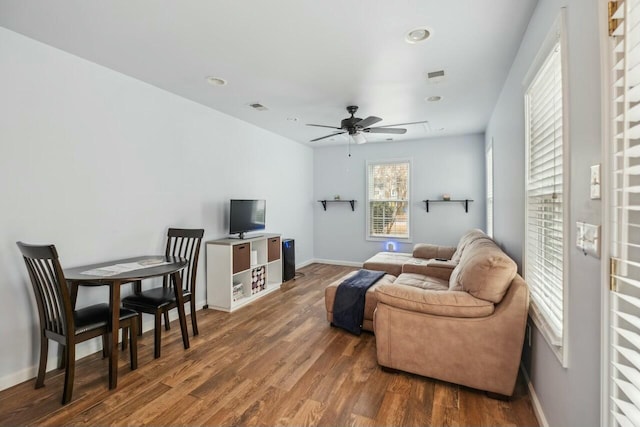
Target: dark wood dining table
[79, 276]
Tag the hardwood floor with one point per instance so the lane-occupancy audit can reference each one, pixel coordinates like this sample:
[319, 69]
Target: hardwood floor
[274, 362]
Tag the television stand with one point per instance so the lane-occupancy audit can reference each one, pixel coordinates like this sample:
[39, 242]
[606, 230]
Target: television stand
[232, 280]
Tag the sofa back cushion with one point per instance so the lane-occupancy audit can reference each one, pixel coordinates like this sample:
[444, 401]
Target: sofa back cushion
[428, 251]
[465, 240]
[484, 271]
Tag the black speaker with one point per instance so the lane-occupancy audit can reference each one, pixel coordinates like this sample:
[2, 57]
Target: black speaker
[288, 259]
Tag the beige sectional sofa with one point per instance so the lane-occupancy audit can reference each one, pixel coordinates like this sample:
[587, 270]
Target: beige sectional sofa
[461, 320]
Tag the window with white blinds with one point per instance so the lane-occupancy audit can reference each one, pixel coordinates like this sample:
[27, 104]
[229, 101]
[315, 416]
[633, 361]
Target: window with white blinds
[624, 247]
[545, 237]
[489, 169]
[388, 199]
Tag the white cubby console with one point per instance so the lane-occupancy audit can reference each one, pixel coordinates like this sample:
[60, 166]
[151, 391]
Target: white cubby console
[242, 270]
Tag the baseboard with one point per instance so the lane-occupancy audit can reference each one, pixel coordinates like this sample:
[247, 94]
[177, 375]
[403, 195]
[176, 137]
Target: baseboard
[537, 407]
[337, 262]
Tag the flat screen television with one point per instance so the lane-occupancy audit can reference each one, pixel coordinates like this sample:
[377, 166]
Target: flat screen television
[246, 215]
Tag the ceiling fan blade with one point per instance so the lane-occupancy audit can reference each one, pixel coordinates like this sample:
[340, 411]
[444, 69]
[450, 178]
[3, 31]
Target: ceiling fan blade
[385, 130]
[404, 124]
[327, 136]
[323, 126]
[368, 121]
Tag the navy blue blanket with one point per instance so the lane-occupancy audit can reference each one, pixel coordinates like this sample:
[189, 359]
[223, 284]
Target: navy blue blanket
[348, 305]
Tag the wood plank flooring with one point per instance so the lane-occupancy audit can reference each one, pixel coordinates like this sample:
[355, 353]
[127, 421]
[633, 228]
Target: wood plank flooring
[274, 362]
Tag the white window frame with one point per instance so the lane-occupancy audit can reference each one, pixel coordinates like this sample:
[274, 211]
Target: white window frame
[489, 174]
[376, 237]
[559, 345]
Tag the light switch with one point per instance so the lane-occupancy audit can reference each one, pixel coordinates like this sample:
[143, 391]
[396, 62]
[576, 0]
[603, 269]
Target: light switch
[595, 182]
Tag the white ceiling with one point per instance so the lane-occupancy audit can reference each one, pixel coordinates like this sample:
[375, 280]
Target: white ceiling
[304, 59]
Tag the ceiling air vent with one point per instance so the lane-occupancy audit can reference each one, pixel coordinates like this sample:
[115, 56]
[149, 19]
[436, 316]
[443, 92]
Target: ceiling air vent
[435, 76]
[258, 106]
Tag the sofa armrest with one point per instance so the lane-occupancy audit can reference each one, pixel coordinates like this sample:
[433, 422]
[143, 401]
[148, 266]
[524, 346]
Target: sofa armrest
[439, 303]
[428, 251]
[429, 267]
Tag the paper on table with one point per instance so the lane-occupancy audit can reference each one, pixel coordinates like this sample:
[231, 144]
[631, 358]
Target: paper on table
[112, 270]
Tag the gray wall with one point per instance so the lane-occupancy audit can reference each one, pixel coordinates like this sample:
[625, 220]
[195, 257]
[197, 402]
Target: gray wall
[569, 396]
[454, 165]
[100, 164]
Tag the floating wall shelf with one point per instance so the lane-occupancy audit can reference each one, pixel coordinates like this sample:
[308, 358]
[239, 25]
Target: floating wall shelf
[465, 201]
[351, 202]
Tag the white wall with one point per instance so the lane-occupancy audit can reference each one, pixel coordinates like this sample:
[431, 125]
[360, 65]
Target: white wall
[569, 396]
[100, 164]
[454, 165]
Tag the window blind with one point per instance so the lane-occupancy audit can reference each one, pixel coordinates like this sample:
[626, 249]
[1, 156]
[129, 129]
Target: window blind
[544, 213]
[624, 315]
[388, 199]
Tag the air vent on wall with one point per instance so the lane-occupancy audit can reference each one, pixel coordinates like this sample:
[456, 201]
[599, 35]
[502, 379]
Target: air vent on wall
[258, 106]
[435, 76]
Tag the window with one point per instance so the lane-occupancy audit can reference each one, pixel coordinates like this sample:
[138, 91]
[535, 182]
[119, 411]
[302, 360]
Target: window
[489, 168]
[546, 195]
[623, 320]
[388, 199]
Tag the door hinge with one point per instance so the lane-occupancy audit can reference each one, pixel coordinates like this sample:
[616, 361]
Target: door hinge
[613, 270]
[613, 23]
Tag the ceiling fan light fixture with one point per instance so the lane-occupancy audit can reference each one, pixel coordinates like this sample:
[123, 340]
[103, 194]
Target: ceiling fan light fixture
[359, 138]
[417, 35]
[216, 81]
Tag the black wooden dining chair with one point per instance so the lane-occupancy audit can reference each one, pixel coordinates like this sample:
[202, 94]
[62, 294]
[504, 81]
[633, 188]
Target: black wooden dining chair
[159, 301]
[60, 322]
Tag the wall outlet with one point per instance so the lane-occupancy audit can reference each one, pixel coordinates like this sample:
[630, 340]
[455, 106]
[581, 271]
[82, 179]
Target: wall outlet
[588, 239]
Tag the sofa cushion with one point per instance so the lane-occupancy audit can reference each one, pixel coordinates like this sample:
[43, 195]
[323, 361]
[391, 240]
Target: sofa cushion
[484, 271]
[467, 238]
[427, 251]
[391, 262]
[421, 281]
[436, 302]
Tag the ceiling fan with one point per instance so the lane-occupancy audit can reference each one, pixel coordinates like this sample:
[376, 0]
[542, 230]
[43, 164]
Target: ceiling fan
[355, 126]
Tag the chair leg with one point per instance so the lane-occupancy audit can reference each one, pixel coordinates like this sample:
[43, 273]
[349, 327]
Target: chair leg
[140, 324]
[157, 335]
[42, 368]
[133, 345]
[62, 358]
[194, 322]
[105, 345]
[69, 373]
[125, 333]
[166, 320]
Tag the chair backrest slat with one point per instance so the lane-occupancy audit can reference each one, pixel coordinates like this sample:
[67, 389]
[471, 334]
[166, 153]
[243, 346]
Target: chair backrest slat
[49, 286]
[185, 243]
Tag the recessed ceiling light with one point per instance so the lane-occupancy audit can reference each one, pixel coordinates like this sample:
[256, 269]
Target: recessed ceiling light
[434, 98]
[216, 81]
[418, 35]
